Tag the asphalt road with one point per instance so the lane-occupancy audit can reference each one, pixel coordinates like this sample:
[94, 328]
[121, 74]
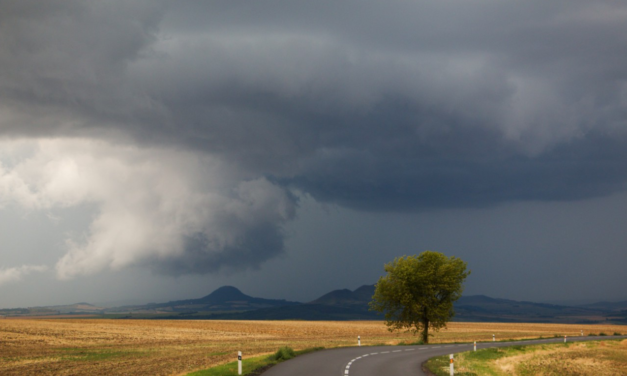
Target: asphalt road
[386, 360]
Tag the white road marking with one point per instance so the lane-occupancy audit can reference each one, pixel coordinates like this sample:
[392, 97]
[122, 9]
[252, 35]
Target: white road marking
[346, 372]
[348, 365]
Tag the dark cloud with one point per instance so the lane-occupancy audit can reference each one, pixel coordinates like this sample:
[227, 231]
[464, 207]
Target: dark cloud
[259, 244]
[442, 177]
[63, 64]
[407, 106]
[378, 106]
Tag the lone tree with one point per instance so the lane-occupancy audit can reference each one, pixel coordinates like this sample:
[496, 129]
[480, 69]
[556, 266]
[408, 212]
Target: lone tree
[418, 292]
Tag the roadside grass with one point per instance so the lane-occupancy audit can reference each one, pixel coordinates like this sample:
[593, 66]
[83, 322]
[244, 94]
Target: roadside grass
[230, 369]
[477, 363]
[439, 365]
[254, 366]
[572, 358]
[420, 342]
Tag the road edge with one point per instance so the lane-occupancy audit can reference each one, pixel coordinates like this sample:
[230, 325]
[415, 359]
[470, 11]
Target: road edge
[426, 370]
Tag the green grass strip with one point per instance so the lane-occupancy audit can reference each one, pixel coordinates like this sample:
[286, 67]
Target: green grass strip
[251, 365]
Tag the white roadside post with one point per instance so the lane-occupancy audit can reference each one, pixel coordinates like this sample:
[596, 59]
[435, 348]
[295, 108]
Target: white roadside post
[239, 362]
[475, 346]
[452, 365]
[564, 339]
[493, 338]
[358, 340]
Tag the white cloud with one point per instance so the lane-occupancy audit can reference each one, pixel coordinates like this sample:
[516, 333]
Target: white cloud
[15, 274]
[151, 202]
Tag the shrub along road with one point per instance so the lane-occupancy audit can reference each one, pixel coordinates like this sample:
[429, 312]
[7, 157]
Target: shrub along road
[388, 360]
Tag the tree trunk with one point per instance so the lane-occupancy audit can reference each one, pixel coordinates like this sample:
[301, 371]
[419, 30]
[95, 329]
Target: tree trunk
[425, 331]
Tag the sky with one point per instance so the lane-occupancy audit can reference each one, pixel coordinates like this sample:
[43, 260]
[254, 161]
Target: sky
[155, 150]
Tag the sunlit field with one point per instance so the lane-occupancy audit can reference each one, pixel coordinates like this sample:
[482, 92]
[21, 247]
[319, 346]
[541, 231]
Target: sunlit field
[596, 358]
[159, 347]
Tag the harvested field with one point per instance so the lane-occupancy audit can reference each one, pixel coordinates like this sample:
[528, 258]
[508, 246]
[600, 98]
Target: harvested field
[595, 358]
[585, 359]
[156, 347]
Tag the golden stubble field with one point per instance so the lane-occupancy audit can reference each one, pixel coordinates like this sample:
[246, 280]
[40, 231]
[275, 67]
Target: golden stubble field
[605, 358]
[593, 358]
[176, 347]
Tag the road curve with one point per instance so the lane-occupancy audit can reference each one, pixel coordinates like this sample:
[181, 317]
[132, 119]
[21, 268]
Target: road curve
[387, 360]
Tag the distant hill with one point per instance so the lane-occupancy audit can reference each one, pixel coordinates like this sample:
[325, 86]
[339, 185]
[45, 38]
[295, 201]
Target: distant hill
[306, 311]
[78, 308]
[345, 304]
[224, 299]
[347, 298]
[335, 305]
[228, 302]
[609, 306]
[486, 309]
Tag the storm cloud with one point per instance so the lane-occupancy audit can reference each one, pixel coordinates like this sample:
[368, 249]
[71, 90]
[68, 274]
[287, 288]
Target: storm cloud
[196, 125]
[177, 211]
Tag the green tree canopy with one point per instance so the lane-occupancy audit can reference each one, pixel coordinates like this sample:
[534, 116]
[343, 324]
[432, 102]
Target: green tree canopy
[418, 292]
